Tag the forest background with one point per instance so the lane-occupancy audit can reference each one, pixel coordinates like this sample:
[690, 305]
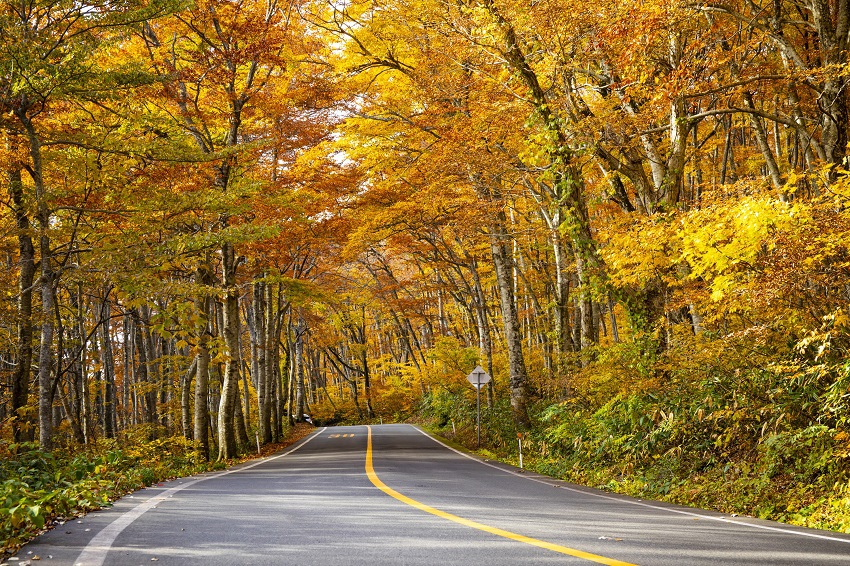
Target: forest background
[222, 215]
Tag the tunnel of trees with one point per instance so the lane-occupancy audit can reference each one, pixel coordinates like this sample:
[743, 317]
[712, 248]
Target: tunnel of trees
[223, 215]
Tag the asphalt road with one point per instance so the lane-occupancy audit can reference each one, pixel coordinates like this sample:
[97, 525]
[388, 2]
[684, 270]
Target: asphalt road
[391, 495]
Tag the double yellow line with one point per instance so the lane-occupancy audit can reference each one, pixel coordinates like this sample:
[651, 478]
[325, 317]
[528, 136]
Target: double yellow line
[376, 481]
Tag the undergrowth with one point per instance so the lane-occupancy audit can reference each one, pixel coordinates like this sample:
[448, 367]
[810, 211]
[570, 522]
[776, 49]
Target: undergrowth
[769, 443]
[39, 489]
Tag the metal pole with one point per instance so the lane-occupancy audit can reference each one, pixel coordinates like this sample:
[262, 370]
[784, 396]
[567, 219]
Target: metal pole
[519, 440]
[478, 409]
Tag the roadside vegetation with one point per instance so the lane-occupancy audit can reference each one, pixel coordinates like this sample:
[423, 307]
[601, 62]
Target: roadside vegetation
[40, 490]
[768, 442]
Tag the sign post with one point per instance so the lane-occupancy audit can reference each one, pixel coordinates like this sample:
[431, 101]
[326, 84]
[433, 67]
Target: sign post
[478, 378]
[519, 440]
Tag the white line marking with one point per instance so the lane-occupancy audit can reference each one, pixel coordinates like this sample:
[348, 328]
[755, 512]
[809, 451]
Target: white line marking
[94, 554]
[625, 499]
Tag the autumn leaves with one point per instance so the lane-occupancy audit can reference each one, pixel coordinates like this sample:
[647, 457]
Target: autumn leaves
[229, 211]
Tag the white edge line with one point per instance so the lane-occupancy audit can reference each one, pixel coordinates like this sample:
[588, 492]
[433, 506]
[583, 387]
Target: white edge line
[627, 499]
[94, 554]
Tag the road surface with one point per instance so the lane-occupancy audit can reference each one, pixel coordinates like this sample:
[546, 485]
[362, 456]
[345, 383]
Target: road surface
[392, 495]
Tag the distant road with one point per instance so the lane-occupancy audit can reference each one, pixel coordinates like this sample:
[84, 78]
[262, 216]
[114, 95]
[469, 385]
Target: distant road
[391, 495]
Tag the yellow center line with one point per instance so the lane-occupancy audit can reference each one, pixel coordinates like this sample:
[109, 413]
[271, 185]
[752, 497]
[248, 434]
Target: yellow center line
[376, 481]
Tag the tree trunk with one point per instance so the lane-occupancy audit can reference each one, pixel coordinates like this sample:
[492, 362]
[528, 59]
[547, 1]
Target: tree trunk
[185, 399]
[202, 377]
[503, 265]
[110, 400]
[268, 345]
[367, 383]
[239, 416]
[563, 339]
[153, 377]
[48, 287]
[80, 362]
[202, 442]
[485, 337]
[142, 376]
[21, 426]
[259, 330]
[299, 369]
[227, 448]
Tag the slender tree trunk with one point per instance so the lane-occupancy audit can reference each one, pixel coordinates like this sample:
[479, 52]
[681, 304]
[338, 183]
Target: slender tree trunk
[278, 369]
[290, 381]
[110, 401]
[367, 384]
[562, 296]
[142, 372]
[202, 378]
[244, 400]
[153, 372]
[21, 427]
[127, 391]
[259, 321]
[279, 389]
[503, 265]
[81, 354]
[48, 286]
[485, 337]
[69, 346]
[766, 152]
[268, 346]
[615, 333]
[227, 448]
[300, 329]
[186, 400]
[239, 416]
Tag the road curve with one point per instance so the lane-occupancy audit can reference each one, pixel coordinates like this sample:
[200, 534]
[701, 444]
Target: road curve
[391, 495]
